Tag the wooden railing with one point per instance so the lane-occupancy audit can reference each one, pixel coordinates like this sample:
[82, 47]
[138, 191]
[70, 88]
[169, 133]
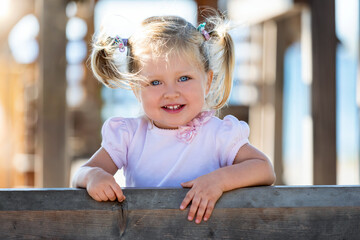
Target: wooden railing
[281, 212]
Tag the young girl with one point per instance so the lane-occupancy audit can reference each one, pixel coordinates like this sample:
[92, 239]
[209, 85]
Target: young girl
[180, 74]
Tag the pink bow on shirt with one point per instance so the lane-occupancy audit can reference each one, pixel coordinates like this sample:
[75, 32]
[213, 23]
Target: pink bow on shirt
[188, 132]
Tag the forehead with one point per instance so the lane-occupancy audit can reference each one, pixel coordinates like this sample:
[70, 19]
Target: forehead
[174, 63]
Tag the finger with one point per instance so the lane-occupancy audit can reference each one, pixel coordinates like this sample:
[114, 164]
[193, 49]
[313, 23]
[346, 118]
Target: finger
[110, 194]
[201, 211]
[99, 197]
[95, 197]
[189, 196]
[119, 193]
[103, 196]
[194, 207]
[188, 184]
[209, 210]
[93, 194]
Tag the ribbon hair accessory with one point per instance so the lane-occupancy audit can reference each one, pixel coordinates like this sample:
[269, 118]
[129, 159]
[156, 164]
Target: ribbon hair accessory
[201, 29]
[121, 43]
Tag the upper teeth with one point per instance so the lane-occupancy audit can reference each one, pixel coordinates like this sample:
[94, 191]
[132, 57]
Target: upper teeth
[173, 107]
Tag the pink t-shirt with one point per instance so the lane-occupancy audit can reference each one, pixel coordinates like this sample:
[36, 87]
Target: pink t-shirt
[154, 157]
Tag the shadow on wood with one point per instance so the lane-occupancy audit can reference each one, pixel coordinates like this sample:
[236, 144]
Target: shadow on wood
[313, 212]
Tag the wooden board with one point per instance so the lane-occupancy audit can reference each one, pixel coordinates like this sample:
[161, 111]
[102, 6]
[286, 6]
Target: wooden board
[322, 212]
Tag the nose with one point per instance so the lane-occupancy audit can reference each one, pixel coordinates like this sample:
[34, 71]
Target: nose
[171, 91]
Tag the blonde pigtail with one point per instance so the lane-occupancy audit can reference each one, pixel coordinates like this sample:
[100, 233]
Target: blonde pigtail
[223, 60]
[109, 68]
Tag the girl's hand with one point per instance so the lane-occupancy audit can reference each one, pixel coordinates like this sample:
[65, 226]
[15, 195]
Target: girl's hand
[204, 193]
[102, 186]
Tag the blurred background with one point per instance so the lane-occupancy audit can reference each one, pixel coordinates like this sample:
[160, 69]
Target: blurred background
[296, 83]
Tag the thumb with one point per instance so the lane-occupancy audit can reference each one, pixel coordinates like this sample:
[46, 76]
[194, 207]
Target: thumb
[188, 184]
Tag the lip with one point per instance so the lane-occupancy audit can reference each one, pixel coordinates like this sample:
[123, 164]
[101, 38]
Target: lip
[173, 108]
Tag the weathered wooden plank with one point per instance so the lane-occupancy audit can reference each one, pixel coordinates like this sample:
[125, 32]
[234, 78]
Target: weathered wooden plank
[158, 198]
[320, 212]
[51, 199]
[247, 223]
[68, 224]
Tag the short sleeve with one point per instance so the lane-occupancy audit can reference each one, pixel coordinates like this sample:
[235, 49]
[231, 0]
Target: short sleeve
[231, 136]
[115, 140]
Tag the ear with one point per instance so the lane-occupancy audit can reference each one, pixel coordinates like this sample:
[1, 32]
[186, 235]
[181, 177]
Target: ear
[210, 75]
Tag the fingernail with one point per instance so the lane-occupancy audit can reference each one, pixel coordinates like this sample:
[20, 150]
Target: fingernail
[190, 218]
[197, 221]
[182, 207]
[205, 219]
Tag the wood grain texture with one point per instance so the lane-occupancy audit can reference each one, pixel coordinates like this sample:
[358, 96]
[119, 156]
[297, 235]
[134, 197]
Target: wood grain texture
[312, 212]
[68, 224]
[247, 223]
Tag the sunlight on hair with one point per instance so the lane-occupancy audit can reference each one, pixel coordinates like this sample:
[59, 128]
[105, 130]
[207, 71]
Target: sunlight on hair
[115, 18]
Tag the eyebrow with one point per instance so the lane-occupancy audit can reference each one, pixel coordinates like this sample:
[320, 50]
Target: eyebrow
[178, 73]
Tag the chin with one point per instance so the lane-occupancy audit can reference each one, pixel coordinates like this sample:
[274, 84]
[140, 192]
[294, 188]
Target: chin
[170, 125]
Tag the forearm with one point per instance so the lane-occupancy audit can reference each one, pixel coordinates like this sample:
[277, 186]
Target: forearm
[252, 172]
[99, 164]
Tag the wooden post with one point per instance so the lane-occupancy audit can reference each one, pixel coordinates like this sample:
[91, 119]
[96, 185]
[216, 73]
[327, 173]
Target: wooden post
[51, 167]
[281, 47]
[205, 4]
[324, 90]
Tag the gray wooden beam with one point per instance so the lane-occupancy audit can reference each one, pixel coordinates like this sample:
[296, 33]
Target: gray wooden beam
[51, 166]
[324, 90]
[313, 212]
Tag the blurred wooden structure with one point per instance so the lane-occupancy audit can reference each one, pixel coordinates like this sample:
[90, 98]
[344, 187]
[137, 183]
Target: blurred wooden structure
[314, 212]
[315, 19]
[52, 161]
[18, 109]
[324, 90]
[33, 109]
[67, 133]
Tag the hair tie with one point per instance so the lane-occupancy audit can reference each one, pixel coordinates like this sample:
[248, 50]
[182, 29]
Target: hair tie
[201, 29]
[121, 43]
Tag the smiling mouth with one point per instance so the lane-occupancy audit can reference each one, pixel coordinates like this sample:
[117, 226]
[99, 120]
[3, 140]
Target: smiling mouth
[173, 107]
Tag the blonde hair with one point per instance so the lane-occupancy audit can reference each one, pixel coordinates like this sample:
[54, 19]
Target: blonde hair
[163, 36]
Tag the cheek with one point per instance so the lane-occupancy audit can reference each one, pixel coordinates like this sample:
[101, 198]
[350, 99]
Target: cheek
[147, 97]
[198, 94]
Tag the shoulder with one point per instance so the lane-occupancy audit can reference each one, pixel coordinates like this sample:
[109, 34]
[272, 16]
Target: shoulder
[230, 130]
[229, 135]
[232, 122]
[120, 124]
[228, 124]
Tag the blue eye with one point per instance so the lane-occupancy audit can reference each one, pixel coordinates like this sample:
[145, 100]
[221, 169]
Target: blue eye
[155, 83]
[183, 79]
